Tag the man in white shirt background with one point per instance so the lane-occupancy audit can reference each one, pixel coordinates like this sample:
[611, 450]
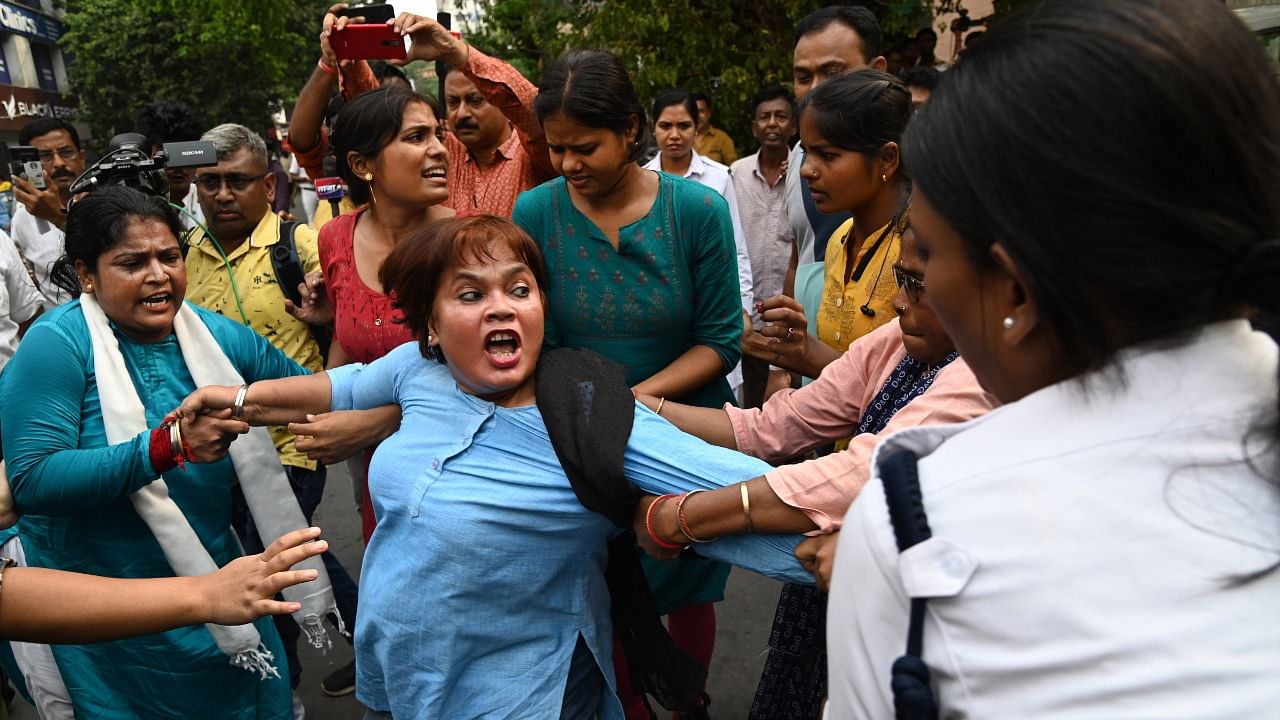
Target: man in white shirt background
[758, 181]
[40, 214]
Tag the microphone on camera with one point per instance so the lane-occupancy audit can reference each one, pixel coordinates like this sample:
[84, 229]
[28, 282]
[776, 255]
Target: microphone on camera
[333, 190]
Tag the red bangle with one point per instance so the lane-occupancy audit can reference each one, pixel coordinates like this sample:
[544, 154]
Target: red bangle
[160, 450]
[326, 68]
[648, 524]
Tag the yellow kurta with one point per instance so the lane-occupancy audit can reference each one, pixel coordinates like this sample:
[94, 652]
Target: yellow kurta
[840, 321]
[262, 298]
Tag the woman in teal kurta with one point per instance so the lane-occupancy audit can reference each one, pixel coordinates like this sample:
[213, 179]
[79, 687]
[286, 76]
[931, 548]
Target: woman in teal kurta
[642, 269]
[74, 488]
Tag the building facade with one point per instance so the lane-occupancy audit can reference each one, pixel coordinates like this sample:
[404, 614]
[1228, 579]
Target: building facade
[33, 70]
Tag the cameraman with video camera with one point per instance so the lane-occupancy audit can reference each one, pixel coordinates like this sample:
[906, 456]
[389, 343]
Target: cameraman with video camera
[41, 213]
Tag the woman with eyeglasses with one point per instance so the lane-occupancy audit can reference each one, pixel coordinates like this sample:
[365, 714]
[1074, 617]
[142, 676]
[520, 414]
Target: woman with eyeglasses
[904, 374]
[851, 127]
[1107, 544]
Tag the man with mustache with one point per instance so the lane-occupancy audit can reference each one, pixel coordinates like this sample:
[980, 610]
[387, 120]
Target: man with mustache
[761, 190]
[496, 146]
[40, 214]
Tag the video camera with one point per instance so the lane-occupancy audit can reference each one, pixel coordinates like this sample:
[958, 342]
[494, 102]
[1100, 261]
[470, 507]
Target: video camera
[128, 163]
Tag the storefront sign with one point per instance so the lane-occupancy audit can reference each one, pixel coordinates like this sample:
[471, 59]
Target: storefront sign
[22, 105]
[22, 21]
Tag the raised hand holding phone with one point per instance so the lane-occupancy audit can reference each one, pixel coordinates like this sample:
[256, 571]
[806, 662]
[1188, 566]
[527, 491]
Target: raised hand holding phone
[430, 40]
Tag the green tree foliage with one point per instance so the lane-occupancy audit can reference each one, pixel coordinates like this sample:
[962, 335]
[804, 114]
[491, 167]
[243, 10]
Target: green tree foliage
[728, 48]
[233, 61]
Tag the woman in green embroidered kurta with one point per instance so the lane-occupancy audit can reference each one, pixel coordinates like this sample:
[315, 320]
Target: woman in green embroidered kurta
[642, 270]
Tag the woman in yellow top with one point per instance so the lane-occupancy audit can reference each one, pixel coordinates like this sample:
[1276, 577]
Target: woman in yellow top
[850, 126]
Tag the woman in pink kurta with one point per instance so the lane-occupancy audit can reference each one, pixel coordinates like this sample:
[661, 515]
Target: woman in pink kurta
[904, 374]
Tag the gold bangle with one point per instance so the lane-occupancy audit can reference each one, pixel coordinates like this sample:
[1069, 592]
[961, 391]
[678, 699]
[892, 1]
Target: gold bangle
[658, 410]
[746, 505]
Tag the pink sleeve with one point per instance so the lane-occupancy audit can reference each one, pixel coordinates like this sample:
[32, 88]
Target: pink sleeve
[825, 487]
[828, 409]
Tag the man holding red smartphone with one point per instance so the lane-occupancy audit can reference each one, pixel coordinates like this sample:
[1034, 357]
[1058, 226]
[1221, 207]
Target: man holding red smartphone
[496, 145]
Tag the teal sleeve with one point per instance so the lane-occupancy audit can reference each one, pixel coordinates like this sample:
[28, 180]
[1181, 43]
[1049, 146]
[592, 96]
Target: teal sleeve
[49, 474]
[717, 312]
[253, 355]
[528, 216]
[661, 459]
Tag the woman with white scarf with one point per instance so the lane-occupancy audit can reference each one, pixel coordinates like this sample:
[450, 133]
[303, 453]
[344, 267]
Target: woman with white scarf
[109, 484]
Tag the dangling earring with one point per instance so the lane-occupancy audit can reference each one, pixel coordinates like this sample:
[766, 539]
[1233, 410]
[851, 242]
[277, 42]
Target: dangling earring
[368, 177]
[884, 177]
[1007, 323]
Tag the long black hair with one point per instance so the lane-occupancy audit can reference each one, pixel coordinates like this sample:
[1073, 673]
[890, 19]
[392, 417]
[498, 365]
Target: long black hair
[368, 124]
[1138, 193]
[593, 89]
[97, 222]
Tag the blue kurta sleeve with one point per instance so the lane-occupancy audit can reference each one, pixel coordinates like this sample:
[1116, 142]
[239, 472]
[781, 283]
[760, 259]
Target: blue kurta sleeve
[41, 394]
[362, 387]
[717, 312]
[661, 459]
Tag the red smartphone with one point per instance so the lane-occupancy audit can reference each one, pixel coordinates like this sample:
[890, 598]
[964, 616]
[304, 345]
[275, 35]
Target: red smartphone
[368, 42]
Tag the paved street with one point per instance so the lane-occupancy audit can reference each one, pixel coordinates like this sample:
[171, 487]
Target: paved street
[743, 626]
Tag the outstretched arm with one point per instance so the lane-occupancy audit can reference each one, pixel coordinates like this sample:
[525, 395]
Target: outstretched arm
[710, 424]
[52, 606]
[266, 402]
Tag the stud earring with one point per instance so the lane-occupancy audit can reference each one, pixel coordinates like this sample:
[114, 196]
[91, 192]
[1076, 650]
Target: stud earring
[884, 177]
[1007, 322]
[368, 177]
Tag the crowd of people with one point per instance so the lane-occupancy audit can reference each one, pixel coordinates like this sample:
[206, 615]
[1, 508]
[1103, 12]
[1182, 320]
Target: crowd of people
[979, 360]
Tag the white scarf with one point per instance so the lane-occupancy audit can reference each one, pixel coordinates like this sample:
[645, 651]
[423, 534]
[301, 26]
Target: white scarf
[262, 479]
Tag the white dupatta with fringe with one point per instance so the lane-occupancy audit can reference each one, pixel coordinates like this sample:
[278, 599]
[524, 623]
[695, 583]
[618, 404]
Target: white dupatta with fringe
[262, 479]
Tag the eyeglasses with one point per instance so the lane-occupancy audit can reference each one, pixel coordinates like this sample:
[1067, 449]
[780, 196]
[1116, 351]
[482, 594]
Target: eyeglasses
[211, 184]
[908, 283]
[66, 153]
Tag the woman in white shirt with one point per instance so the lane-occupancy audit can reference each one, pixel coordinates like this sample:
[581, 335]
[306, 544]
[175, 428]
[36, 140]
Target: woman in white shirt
[1101, 220]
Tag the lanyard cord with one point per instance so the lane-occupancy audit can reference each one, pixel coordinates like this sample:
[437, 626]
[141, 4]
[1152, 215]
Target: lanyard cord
[893, 223]
[226, 264]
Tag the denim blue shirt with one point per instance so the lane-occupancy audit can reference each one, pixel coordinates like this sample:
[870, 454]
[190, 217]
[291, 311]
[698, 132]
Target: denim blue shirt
[484, 568]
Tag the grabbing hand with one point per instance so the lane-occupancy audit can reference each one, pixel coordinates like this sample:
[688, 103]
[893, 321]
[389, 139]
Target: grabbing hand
[315, 309]
[335, 436]
[430, 41]
[204, 399]
[331, 23]
[45, 204]
[245, 588]
[207, 436]
[643, 538]
[818, 556]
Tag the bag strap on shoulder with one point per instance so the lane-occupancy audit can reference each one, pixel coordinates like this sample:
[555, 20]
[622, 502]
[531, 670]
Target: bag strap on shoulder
[912, 694]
